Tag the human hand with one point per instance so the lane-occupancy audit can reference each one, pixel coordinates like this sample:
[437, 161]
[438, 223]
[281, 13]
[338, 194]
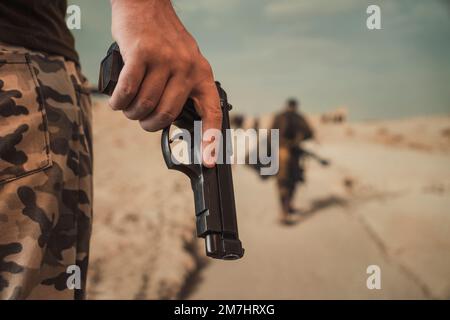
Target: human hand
[163, 67]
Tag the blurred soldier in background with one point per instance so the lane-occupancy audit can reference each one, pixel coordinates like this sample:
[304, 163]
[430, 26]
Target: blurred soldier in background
[293, 130]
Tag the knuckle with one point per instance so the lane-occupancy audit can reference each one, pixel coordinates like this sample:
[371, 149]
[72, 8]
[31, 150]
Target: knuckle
[141, 108]
[158, 122]
[147, 126]
[185, 61]
[130, 114]
[163, 119]
[214, 115]
[146, 105]
[146, 49]
[167, 55]
[204, 66]
[128, 91]
[113, 105]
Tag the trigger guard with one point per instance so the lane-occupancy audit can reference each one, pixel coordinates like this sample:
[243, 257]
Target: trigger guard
[191, 170]
[165, 148]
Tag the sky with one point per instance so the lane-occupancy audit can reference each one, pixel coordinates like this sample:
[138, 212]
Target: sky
[320, 51]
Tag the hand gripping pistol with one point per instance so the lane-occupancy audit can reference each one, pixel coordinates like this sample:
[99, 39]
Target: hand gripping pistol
[215, 208]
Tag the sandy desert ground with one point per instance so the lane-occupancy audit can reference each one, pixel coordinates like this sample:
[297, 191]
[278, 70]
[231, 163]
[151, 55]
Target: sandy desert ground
[384, 200]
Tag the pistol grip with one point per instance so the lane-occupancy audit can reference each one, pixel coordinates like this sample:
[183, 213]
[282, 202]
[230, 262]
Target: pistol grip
[110, 68]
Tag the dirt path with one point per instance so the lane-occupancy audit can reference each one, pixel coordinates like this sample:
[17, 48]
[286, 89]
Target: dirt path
[394, 213]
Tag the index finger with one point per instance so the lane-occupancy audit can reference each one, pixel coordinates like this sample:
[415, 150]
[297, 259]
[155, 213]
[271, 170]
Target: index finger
[130, 79]
[207, 104]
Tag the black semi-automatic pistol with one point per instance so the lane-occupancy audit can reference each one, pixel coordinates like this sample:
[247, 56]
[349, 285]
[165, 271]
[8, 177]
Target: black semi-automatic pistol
[215, 208]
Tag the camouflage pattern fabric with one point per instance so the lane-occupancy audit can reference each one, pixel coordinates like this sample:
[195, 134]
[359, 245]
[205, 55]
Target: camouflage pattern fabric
[45, 175]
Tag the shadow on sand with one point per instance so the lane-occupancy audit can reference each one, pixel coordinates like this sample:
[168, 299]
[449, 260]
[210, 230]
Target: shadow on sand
[317, 205]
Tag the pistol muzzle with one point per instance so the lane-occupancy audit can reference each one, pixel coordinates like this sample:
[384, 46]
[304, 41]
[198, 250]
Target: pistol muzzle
[221, 248]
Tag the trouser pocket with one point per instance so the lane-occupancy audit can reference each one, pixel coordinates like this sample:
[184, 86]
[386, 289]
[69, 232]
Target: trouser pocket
[24, 137]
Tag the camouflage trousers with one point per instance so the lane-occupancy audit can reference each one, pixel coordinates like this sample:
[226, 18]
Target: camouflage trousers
[45, 176]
